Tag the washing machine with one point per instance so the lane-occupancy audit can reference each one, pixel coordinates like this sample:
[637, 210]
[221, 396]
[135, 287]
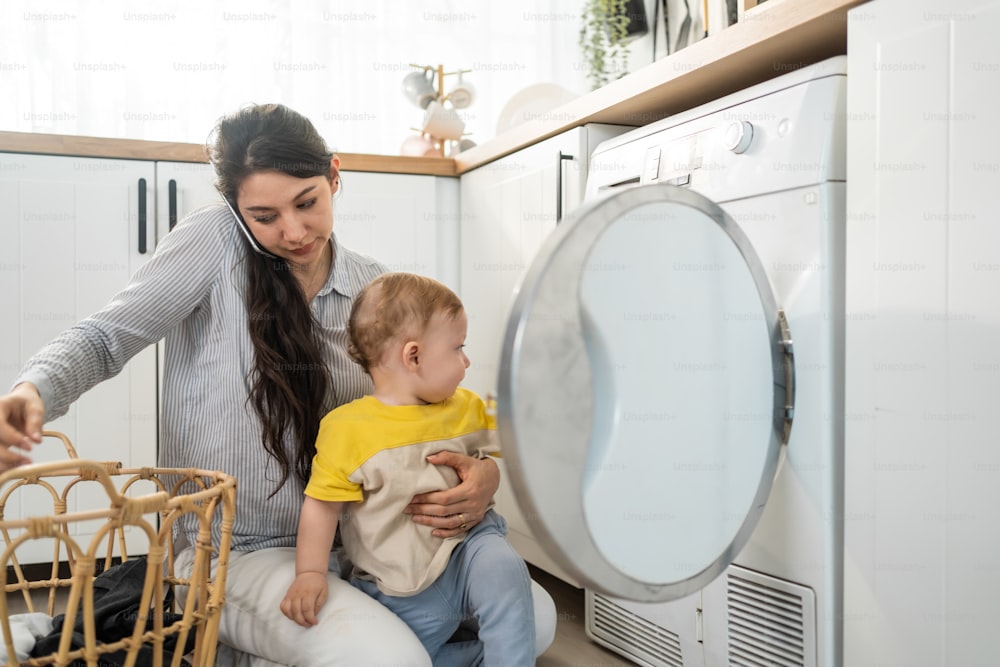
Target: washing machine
[670, 397]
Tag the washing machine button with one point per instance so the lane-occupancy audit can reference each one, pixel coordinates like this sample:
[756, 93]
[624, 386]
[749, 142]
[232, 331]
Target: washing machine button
[652, 164]
[738, 136]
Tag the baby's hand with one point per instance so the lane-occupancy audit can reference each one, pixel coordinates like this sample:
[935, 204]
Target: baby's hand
[305, 597]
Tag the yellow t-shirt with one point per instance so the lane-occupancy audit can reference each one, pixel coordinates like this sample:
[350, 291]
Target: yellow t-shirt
[374, 455]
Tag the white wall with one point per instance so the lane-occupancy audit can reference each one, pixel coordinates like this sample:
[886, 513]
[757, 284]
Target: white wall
[168, 69]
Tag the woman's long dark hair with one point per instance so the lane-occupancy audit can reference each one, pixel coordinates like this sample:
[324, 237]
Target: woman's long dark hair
[289, 379]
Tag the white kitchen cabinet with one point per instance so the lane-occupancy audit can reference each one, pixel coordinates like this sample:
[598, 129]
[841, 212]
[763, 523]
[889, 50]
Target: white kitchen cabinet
[508, 208]
[922, 379]
[75, 230]
[408, 222]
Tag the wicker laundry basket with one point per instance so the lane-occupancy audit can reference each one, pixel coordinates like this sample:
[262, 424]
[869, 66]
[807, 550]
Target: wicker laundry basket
[135, 513]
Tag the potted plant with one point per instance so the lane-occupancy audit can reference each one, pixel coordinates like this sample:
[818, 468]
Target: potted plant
[604, 35]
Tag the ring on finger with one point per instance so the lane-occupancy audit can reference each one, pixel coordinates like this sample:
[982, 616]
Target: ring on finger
[464, 525]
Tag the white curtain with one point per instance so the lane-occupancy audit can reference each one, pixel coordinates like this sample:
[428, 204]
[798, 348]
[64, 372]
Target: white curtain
[168, 70]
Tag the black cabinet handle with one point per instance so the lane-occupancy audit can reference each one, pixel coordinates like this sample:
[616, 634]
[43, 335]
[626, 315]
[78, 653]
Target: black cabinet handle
[142, 216]
[559, 184]
[172, 203]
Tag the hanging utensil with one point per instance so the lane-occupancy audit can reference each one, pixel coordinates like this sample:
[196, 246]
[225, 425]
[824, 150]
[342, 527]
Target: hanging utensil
[683, 36]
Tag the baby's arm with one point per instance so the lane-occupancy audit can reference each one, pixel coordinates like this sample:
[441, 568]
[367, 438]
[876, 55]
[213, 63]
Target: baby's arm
[308, 593]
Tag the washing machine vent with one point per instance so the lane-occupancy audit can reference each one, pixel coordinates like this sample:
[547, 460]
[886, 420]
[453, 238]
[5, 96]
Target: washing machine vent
[632, 635]
[770, 621]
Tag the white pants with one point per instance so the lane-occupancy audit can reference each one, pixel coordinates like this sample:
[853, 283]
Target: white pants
[353, 629]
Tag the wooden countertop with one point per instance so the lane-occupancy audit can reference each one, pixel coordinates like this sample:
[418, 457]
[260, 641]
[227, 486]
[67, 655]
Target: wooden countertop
[135, 149]
[772, 39]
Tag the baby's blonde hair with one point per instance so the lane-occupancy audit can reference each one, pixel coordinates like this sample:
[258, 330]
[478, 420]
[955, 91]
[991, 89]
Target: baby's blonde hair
[394, 307]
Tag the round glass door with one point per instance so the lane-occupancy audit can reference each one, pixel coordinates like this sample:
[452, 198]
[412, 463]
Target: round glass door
[644, 389]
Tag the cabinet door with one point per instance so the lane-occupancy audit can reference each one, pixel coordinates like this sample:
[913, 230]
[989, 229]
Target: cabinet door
[408, 222]
[74, 231]
[509, 207]
[182, 187]
[922, 372]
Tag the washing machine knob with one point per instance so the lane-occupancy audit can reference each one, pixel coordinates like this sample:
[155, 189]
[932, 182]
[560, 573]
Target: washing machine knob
[738, 136]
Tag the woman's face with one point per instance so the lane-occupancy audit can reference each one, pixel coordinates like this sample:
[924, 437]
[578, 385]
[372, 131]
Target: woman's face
[291, 217]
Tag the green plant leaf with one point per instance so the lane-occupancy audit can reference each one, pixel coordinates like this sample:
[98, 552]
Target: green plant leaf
[603, 30]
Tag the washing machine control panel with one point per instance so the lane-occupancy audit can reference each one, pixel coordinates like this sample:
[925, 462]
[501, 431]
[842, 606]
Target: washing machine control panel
[743, 150]
[675, 162]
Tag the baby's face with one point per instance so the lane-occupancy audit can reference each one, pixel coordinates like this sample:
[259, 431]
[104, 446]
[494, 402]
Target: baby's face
[443, 360]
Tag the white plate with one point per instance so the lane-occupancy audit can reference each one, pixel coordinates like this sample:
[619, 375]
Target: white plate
[532, 103]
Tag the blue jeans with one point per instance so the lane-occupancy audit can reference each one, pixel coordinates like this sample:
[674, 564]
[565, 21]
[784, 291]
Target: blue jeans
[485, 581]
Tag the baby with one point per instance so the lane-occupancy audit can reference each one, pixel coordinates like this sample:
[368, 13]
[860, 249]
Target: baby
[408, 332]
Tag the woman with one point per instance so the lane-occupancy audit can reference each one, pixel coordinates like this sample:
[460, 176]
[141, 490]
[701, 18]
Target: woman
[253, 298]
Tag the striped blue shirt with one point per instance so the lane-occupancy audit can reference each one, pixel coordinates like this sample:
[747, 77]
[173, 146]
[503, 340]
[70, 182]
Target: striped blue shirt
[191, 292]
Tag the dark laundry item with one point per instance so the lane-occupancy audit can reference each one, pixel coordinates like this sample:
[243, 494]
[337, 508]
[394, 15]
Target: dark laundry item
[117, 593]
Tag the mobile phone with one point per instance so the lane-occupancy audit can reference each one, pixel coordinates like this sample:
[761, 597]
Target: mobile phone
[246, 231]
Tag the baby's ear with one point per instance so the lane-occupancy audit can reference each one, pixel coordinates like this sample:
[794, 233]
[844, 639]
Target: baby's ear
[411, 354]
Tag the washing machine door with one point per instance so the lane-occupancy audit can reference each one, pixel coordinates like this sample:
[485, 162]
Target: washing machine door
[645, 393]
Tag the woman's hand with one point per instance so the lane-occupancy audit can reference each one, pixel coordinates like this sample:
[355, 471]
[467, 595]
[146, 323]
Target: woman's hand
[456, 510]
[21, 415]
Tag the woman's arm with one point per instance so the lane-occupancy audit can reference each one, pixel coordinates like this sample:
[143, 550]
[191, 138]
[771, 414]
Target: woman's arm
[455, 510]
[167, 289]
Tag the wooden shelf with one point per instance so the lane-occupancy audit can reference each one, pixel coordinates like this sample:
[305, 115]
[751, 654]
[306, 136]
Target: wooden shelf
[773, 39]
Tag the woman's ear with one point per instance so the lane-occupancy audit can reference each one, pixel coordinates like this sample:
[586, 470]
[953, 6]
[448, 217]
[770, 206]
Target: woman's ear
[411, 355]
[334, 174]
